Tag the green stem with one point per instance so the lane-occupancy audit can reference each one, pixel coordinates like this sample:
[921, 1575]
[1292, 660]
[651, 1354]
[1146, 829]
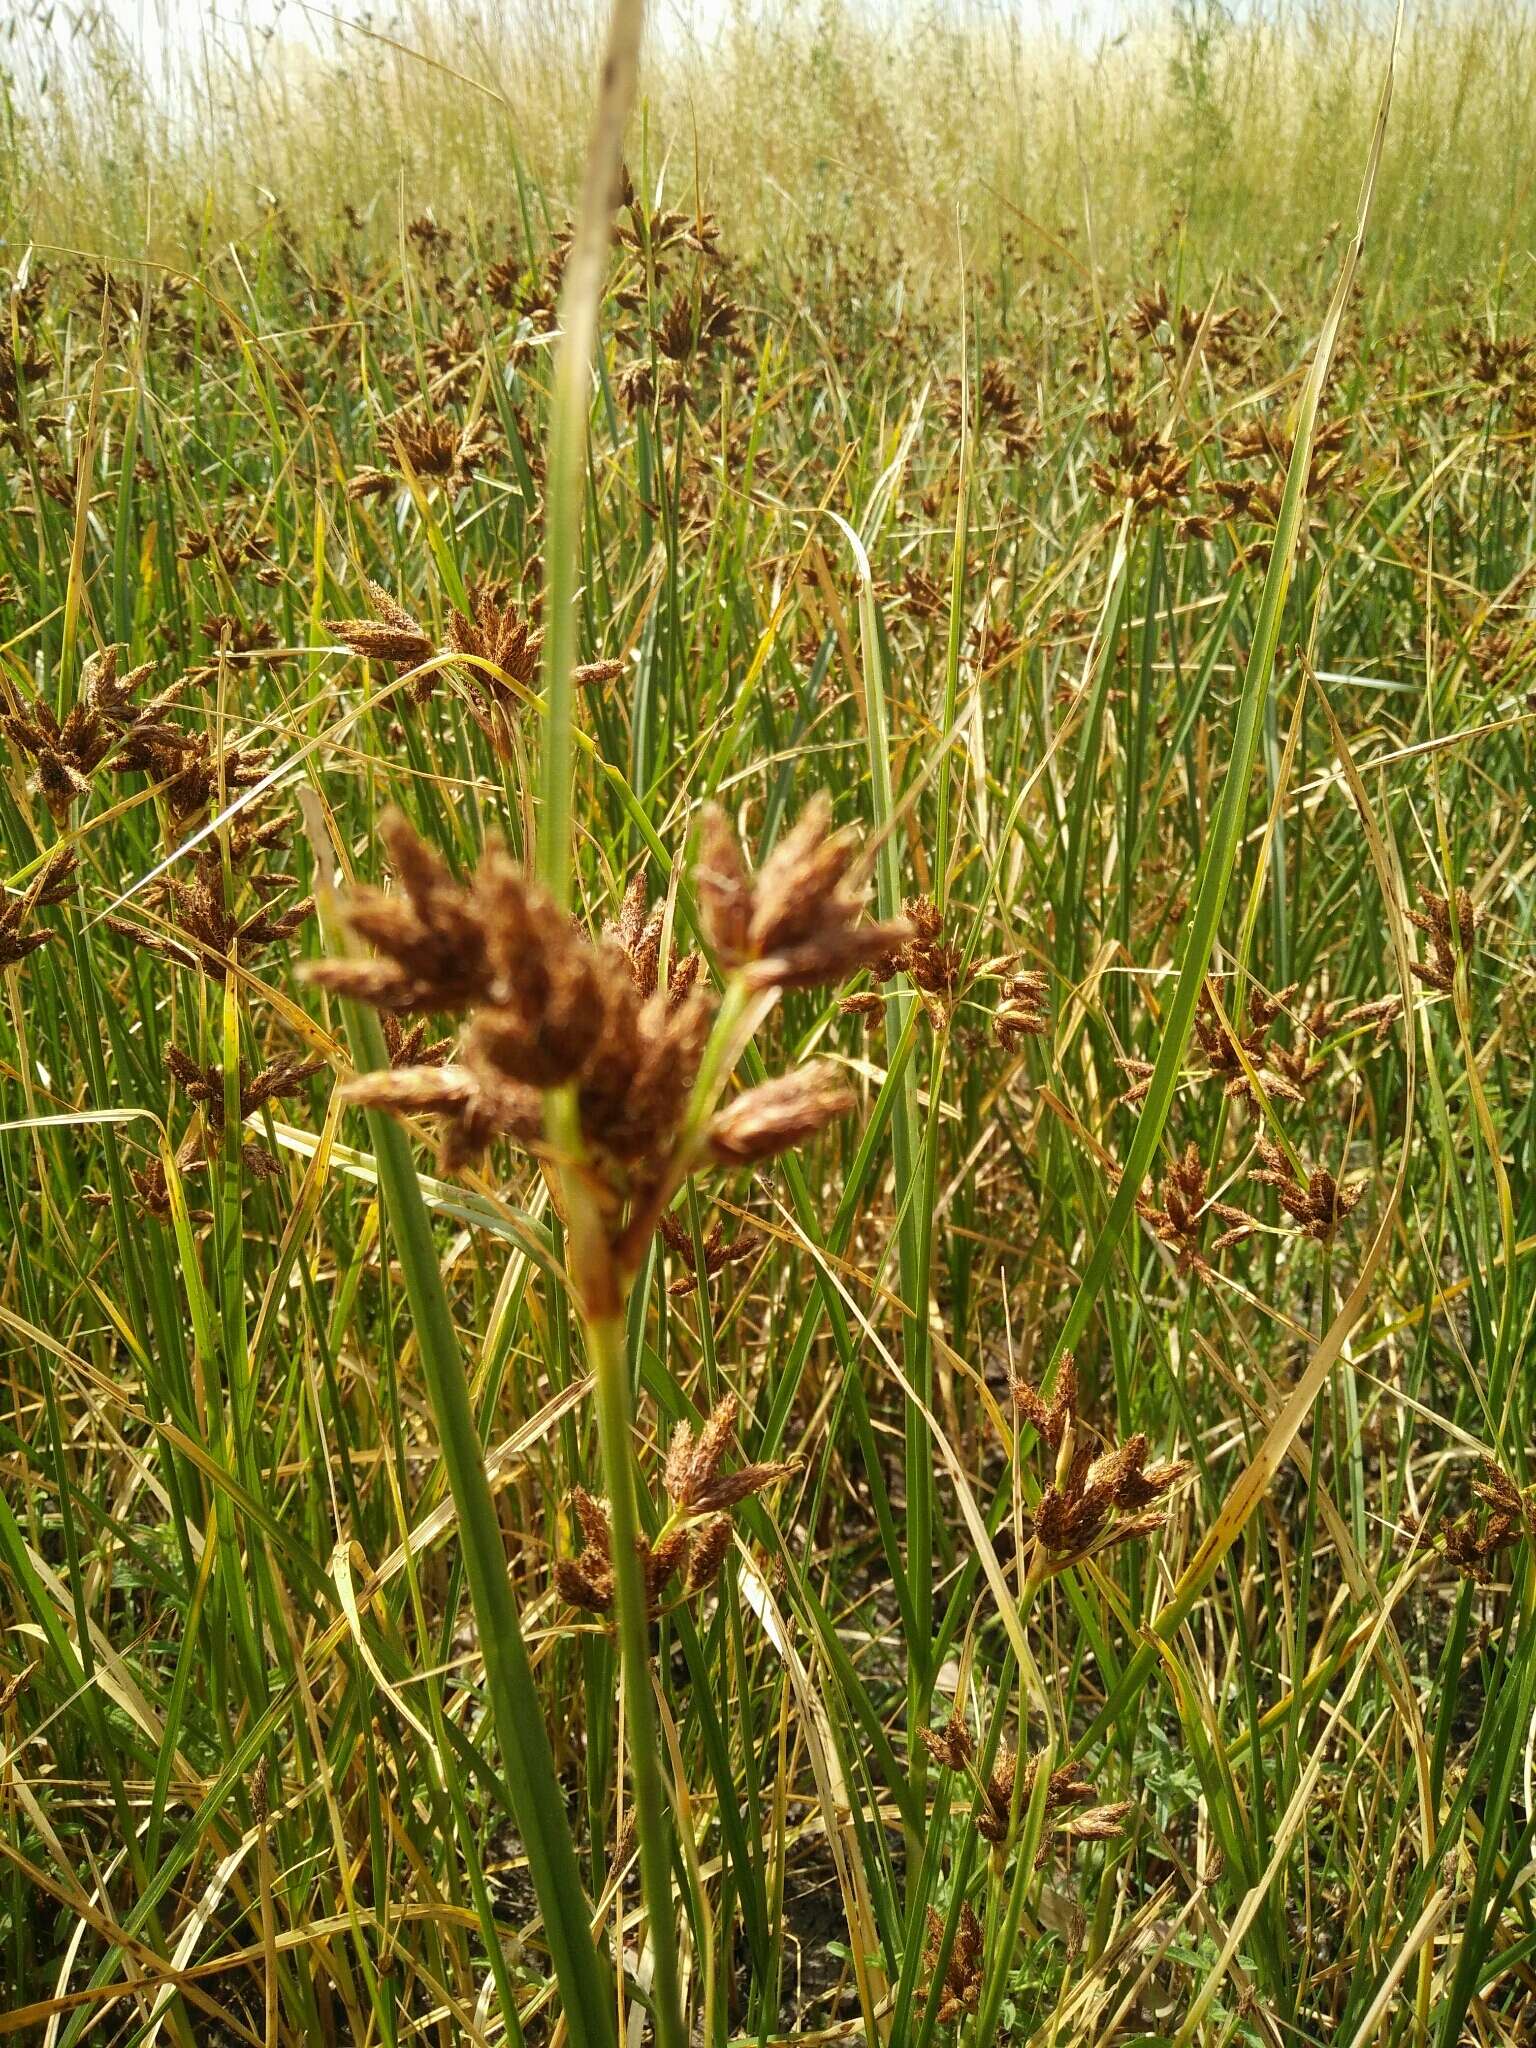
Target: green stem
[537, 1798]
[610, 1371]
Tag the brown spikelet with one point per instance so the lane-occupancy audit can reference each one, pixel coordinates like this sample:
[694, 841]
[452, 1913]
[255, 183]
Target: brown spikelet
[718, 1253]
[410, 1045]
[1380, 1015]
[707, 1553]
[693, 1478]
[392, 634]
[505, 647]
[798, 922]
[778, 1115]
[1139, 1074]
[951, 1746]
[430, 934]
[1095, 1502]
[1023, 1011]
[55, 882]
[471, 1110]
[1317, 1206]
[1049, 1419]
[637, 932]
[962, 1981]
[591, 675]
[11, 1690]
[1181, 1220]
[693, 1460]
[1475, 1541]
[995, 1816]
[1098, 1823]
[16, 942]
[1450, 924]
[1230, 1053]
[104, 728]
[585, 1584]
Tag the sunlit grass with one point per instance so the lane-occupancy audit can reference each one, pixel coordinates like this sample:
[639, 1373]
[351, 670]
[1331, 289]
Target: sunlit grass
[1113, 1347]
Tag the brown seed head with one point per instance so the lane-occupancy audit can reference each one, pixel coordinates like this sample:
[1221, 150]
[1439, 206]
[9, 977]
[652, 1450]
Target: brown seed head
[1023, 1012]
[390, 635]
[797, 922]
[779, 1115]
[951, 1746]
[1049, 1419]
[430, 934]
[1450, 924]
[963, 1973]
[1317, 1207]
[707, 1553]
[693, 1478]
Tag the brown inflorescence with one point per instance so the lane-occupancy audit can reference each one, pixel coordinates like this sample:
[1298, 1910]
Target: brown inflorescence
[797, 922]
[1093, 1501]
[696, 1535]
[1474, 1541]
[1317, 1205]
[547, 1008]
[1450, 925]
[614, 1020]
[961, 1991]
[1180, 1220]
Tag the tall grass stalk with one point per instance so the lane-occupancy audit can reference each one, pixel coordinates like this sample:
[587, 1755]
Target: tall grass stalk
[600, 1288]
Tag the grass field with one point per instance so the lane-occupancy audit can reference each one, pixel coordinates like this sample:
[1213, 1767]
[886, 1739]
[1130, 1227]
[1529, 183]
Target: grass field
[766, 996]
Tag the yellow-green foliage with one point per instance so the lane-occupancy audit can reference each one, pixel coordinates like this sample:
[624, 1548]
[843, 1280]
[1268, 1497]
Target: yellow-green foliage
[888, 130]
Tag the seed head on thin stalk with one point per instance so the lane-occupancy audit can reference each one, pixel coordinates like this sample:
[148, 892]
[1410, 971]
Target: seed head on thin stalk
[797, 922]
[501, 641]
[1450, 925]
[936, 967]
[204, 1086]
[778, 1115]
[620, 1058]
[392, 635]
[1093, 1501]
[1319, 1204]
[1474, 1541]
[1023, 1010]
[51, 885]
[201, 932]
[717, 1252]
[1071, 1805]
[104, 719]
[1180, 1221]
[546, 1007]
[1231, 1053]
[697, 1533]
[962, 1975]
[952, 1747]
